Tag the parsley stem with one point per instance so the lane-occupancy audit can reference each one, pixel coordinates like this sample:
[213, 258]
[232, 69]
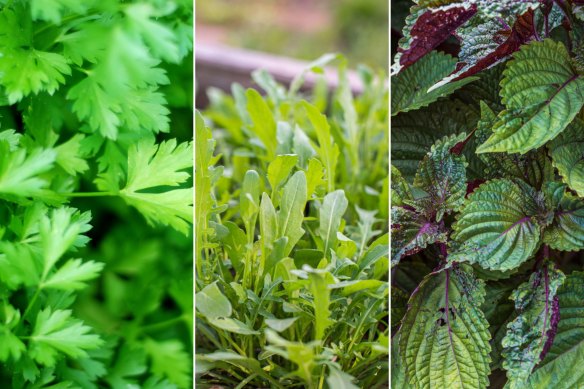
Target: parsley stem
[162, 324]
[31, 303]
[88, 194]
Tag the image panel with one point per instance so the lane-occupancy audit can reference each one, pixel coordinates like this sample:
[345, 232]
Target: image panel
[291, 194]
[96, 194]
[486, 194]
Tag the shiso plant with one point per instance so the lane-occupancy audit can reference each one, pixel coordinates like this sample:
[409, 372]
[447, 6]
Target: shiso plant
[488, 196]
[95, 194]
[292, 252]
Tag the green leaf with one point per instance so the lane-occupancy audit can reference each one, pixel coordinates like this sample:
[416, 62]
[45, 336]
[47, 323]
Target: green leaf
[400, 189]
[533, 167]
[21, 172]
[170, 360]
[264, 125]
[159, 38]
[73, 275]
[68, 155]
[151, 167]
[54, 10]
[93, 104]
[299, 353]
[567, 229]
[60, 231]
[328, 151]
[561, 366]
[444, 338]
[411, 232]
[291, 213]
[409, 89]
[442, 175]
[527, 334]
[212, 303]
[542, 93]
[497, 227]
[280, 325]
[249, 199]
[414, 133]
[339, 379]
[233, 325]
[566, 151]
[331, 213]
[398, 374]
[24, 72]
[279, 169]
[320, 300]
[145, 109]
[57, 332]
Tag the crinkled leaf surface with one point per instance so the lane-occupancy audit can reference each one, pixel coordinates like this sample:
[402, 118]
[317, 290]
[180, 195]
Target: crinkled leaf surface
[567, 229]
[497, 227]
[444, 337]
[412, 232]
[409, 89]
[561, 367]
[442, 175]
[534, 327]
[542, 92]
[566, 151]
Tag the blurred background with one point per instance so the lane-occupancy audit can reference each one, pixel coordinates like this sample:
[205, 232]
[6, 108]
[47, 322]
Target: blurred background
[302, 29]
[234, 37]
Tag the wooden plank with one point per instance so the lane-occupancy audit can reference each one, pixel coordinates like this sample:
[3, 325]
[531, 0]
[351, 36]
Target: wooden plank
[220, 66]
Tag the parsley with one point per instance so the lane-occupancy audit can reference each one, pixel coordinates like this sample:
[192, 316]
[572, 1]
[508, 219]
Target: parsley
[95, 194]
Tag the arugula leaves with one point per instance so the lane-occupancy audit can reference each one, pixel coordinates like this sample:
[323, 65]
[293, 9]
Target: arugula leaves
[292, 257]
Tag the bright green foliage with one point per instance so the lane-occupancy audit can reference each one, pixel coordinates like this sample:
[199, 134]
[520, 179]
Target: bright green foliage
[293, 254]
[497, 227]
[527, 334]
[542, 93]
[503, 202]
[95, 281]
[444, 322]
[153, 166]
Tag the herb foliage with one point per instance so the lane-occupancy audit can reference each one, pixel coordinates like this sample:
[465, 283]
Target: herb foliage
[291, 235]
[95, 194]
[486, 190]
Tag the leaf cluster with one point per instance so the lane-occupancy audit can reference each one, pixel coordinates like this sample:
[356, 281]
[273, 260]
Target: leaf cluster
[487, 206]
[95, 195]
[292, 247]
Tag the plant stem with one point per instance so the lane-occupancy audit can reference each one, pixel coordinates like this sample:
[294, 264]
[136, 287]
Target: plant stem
[162, 324]
[88, 194]
[31, 303]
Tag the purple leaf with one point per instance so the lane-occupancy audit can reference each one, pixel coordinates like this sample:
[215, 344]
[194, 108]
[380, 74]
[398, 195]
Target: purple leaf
[431, 28]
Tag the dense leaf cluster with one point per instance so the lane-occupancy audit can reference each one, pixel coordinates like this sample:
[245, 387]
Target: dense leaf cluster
[292, 247]
[93, 288]
[487, 213]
